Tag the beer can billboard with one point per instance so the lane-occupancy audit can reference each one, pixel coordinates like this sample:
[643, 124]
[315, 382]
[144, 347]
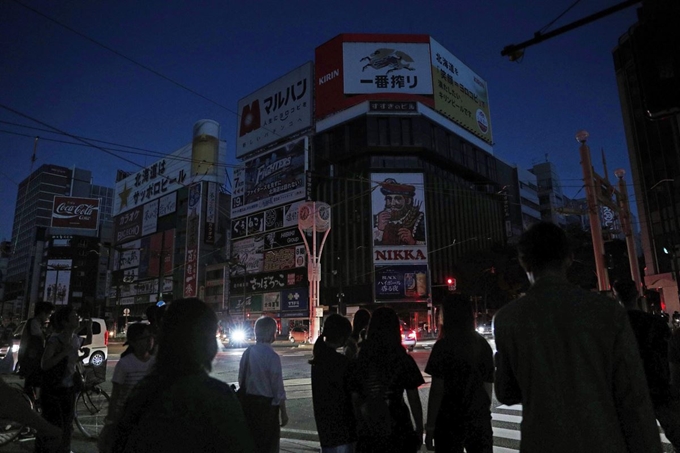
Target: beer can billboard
[75, 212]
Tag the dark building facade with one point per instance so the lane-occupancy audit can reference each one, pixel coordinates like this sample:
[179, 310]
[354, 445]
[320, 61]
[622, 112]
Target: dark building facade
[647, 63]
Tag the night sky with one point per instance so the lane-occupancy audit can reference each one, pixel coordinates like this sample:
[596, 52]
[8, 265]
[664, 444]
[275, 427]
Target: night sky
[55, 74]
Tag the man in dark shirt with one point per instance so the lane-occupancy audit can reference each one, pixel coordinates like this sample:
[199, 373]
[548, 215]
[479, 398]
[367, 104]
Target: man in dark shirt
[652, 335]
[570, 357]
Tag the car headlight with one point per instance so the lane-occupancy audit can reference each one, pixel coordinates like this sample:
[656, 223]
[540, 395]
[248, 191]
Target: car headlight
[481, 329]
[15, 348]
[238, 335]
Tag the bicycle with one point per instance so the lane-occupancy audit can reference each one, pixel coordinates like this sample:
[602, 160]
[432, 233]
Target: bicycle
[91, 408]
[92, 402]
[9, 429]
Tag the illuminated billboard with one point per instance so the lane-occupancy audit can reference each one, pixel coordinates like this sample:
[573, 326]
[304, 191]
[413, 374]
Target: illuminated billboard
[459, 93]
[275, 111]
[75, 212]
[57, 281]
[271, 179]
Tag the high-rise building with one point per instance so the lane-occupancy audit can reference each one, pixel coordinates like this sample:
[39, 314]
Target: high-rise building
[398, 141]
[647, 64]
[33, 225]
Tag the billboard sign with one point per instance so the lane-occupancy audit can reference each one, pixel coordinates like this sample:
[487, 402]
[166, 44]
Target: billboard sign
[58, 281]
[459, 93]
[270, 281]
[398, 205]
[193, 240]
[210, 214]
[271, 179]
[150, 221]
[272, 219]
[161, 179]
[167, 204]
[128, 226]
[295, 299]
[386, 67]
[75, 212]
[275, 111]
[401, 282]
[353, 68]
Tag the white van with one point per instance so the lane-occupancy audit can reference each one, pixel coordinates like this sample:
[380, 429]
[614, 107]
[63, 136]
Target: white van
[99, 349]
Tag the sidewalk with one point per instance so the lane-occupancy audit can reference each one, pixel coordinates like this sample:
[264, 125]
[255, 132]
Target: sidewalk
[80, 444]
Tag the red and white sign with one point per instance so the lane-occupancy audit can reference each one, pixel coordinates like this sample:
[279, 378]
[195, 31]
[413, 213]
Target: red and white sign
[353, 68]
[74, 212]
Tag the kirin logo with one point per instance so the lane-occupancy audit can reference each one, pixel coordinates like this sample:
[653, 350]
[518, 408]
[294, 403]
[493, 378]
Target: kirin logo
[250, 118]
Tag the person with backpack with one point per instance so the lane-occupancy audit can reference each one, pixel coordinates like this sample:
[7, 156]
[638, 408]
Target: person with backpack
[382, 373]
[331, 398]
[462, 370]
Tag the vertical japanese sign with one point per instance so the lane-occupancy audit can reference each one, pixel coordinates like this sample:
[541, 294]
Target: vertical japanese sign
[210, 214]
[193, 240]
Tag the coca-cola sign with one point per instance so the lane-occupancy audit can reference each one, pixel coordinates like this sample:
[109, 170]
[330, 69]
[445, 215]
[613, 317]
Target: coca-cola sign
[75, 212]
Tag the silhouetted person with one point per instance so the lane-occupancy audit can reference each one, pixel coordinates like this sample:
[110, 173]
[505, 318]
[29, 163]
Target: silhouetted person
[358, 335]
[570, 357]
[179, 407]
[382, 372]
[332, 400]
[652, 335]
[32, 347]
[462, 370]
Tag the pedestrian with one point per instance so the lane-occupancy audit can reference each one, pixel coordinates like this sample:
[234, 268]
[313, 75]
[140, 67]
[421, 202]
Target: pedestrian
[382, 372]
[361, 319]
[60, 378]
[32, 347]
[653, 335]
[261, 388]
[569, 357]
[462, 370]
[331, 398]
[178, 407]
[134, 364]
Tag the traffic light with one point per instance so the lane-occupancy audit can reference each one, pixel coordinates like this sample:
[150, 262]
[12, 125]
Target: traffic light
[451, 282]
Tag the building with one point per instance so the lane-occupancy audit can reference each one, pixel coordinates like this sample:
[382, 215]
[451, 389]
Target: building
[395, 134]
[550, 197]
[529, 201]
[647, 64]
[51, 201]
[170, 225]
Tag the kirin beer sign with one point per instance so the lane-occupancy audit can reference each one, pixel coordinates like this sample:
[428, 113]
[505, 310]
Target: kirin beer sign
[75, 212]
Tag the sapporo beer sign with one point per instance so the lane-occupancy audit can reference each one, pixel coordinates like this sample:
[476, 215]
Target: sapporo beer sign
[74, 212]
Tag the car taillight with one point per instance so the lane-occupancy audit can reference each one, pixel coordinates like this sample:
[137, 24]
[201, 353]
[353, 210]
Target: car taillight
[106, 338]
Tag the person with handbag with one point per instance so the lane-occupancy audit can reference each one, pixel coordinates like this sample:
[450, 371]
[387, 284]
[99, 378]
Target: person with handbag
[462, 370]
[382, 373]
[261, 391]
[61, 379]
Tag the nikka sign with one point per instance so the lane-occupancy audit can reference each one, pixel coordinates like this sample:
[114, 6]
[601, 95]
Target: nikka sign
[75, 212]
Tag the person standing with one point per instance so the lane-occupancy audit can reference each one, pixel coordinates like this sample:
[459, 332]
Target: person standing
[382, 372]
[358, 335]
[178, 407]
[462, 370]
[331, 398]
[569, 356]
[32, 347]
[59, 381]
[652, 335]
[261, 376]
[134, 364]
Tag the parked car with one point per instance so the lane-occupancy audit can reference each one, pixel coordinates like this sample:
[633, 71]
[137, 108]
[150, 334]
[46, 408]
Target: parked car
[99, 349]
[408, 337]
[298, 334]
